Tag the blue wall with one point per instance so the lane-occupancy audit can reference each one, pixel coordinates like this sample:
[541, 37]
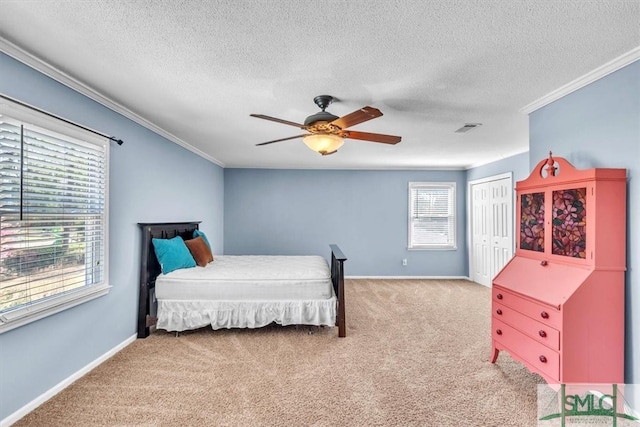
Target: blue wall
[151, 179]
[599, 126]
[365, 212]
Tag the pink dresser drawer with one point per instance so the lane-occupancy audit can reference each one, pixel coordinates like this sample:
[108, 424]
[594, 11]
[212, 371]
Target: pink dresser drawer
[537, 330]
[538, 356]
[541, 312]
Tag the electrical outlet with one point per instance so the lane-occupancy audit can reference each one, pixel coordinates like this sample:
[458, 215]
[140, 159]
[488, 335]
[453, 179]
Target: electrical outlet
[404, 261]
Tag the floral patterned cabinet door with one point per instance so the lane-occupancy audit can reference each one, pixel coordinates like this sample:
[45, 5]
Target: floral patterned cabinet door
[569, 221]
[532, 221]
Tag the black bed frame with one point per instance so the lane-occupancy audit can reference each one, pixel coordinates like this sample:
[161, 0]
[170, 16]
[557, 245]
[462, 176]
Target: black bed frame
[150, 269]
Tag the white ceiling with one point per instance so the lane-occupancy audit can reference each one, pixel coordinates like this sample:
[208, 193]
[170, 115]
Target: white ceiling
[197, 69]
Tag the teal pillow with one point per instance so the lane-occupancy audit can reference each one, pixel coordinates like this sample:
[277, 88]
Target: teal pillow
[198, 233]
[172, 254]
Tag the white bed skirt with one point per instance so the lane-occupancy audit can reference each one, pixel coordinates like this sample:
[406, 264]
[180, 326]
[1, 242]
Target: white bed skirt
[182, 315]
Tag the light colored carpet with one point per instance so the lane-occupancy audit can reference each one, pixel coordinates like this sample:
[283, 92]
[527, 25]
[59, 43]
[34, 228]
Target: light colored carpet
[416, 354]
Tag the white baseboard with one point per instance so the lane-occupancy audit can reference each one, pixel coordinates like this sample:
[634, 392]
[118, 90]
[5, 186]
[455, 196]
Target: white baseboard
[63, 384]
[411, 277]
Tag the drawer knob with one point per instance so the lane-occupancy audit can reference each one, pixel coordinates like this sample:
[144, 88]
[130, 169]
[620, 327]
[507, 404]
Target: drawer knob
[499, 331]
[499, 311]
[543, 359]
[542, 333]
[544, 315]
[499, 296]
[543, 263]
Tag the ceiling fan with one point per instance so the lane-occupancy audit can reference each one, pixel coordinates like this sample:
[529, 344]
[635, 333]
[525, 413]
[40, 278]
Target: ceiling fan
[327, 132]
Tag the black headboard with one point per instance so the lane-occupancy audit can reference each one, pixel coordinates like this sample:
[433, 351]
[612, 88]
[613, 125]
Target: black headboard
[149, 266]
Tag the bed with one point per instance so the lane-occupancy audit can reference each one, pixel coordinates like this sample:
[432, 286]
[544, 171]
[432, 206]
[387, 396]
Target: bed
[237, 291]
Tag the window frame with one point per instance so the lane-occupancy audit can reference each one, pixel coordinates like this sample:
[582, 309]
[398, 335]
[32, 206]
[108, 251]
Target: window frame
[453, 215]
[57, 128]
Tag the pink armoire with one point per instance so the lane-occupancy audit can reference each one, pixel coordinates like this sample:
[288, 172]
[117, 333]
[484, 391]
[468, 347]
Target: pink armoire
[558, 304]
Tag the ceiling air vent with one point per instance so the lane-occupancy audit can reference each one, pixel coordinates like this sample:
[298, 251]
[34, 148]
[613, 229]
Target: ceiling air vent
[467, 127]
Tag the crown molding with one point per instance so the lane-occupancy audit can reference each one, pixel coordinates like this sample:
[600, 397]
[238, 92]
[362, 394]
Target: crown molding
[60, 76]
[600, 72]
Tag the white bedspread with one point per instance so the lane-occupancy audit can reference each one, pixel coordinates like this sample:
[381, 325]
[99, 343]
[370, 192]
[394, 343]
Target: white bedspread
[247, 292]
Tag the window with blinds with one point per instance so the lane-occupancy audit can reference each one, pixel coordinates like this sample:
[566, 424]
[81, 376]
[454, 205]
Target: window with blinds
[432, 215]
[53, 217]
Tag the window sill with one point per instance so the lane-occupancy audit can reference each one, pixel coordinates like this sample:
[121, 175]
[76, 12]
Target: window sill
[20, 317]
[432, 248]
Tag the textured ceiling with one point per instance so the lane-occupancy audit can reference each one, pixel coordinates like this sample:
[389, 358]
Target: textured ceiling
[197, 69]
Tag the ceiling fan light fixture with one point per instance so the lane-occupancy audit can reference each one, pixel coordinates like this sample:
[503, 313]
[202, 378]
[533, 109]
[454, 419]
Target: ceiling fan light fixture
[326, 131]
[323, 143]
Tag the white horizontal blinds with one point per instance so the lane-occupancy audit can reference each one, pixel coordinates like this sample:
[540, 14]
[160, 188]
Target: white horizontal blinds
[52, 214]
[432, 215]
[10, 167]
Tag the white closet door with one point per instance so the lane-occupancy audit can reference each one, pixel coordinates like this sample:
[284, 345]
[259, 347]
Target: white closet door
[491, 227]
[501, 224]
[481, 240]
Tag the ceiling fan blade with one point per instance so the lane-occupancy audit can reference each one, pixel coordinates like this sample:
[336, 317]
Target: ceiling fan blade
[274, 119]
[358, 116]
[373, 137]
[282, 139]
